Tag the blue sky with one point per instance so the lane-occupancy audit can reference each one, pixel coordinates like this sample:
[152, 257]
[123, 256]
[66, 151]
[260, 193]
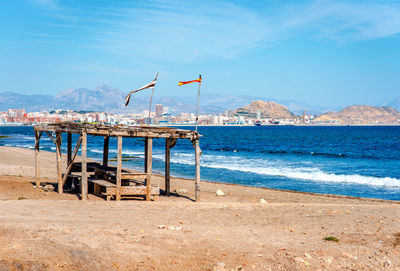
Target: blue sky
[330, 53]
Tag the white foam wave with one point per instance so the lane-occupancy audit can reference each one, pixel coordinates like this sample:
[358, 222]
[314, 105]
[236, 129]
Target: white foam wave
[313, 174]
[280, 169]
[136, 153]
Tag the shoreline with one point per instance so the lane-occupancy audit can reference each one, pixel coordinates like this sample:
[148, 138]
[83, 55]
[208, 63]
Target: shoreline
[252, 125]
[161, 175]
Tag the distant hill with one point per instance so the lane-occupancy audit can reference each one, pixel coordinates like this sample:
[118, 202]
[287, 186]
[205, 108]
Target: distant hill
[362, 114]
[109, 99]
[267, 110]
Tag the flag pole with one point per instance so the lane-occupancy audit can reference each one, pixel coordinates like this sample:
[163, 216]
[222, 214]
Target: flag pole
[198, 98]
[151, 99]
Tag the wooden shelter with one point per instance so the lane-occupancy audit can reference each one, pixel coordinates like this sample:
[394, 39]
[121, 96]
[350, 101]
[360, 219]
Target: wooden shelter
[113, 181]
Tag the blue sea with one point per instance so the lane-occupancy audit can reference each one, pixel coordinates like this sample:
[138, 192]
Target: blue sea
[350, 160]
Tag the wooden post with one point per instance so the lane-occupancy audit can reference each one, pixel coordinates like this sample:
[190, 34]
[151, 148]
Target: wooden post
[167, 165]
[37, 165]
[145, 154]
[148, 165]
[69, 167]
[197, 160]
[84, 182]
[119, 168]
[59, 163]
[105, 150]
[69, 151]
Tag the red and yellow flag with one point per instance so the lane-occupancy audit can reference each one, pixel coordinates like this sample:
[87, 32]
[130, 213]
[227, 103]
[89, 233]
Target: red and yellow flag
[188, 82]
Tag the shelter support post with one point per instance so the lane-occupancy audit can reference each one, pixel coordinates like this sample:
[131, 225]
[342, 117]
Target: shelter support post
[37, 165]
[167, 165]
[69, 167]
[84, 181]
[148, 165]
[119, 168]
[59, 163]
[105, 150]
[197, 161]
[69, 149]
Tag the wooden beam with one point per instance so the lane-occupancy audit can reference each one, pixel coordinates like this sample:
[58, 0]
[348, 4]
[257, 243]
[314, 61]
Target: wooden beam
[51, 137]
[119, 168]
[37, 164]
[69, 151]
[105, 150]
[168, 142]
[148, 165]
[84, 182]
[197, 161]
[59, 163]
[69, 167]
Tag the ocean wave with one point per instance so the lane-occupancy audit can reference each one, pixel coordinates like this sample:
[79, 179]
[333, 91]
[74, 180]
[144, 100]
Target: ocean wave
[313, 174]
[277, 152]
[280, 169]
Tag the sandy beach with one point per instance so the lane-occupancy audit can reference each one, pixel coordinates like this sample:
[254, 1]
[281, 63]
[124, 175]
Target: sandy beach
[42, 230]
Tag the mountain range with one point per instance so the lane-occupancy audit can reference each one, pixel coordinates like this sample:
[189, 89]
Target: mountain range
[108, 99]
[362, 114]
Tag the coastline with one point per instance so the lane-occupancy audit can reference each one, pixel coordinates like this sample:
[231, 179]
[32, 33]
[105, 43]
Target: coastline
[47, 231]
[252, 125]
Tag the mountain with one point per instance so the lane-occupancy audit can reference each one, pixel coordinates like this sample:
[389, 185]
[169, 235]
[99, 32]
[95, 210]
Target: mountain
[29, 102]
[362, 114]
[395, 104]
[101, 98]
[267, 110]
[109, 99]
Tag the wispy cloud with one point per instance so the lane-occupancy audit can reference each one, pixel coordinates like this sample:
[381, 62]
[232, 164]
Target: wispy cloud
[346, 21]
[176, 31]
[183, 33]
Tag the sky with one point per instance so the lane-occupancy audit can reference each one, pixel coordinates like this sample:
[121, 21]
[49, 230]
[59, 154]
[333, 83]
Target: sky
[328, 53]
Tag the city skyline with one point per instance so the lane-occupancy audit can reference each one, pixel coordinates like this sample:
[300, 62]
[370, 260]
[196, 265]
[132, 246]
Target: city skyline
[330, 53]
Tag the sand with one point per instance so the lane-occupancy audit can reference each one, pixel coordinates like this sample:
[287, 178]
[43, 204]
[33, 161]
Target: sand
[46, 231]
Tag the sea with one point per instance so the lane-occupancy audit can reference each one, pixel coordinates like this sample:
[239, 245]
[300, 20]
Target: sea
[359, 161]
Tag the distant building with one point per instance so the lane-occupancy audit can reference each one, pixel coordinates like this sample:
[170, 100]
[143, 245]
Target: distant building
[258, 114]
[16, 113]
[159, 110]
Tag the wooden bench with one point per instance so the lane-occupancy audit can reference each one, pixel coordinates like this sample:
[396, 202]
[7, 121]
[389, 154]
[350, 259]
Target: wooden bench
[99, 183]
[111, 189]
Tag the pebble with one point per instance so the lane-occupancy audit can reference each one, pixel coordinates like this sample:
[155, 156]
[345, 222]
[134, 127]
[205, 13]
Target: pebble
[299, 259]
[48, 188]
[66, 230]
[180, 191]
[220, 193]
[175, 228]
[219, 267]
[329, 259]
[308, 256]
[263, 201]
